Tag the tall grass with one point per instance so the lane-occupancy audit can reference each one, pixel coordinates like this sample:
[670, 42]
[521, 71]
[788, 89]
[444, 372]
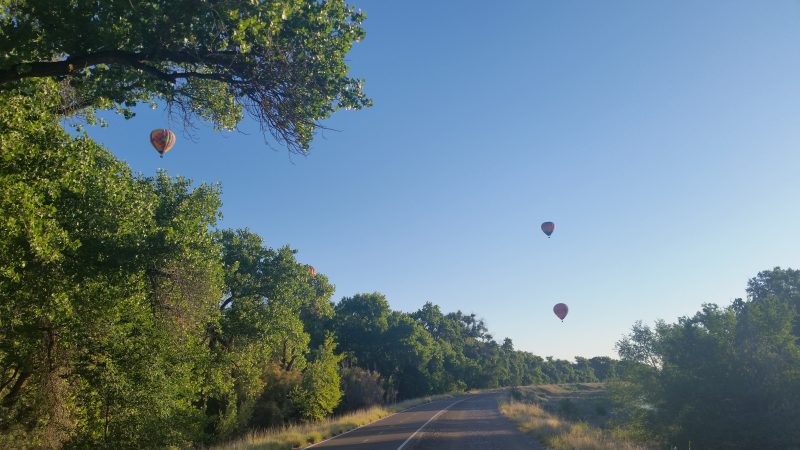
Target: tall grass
[557, 432]
[304, 434]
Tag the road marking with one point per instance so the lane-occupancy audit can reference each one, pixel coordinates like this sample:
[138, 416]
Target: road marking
[426, 423]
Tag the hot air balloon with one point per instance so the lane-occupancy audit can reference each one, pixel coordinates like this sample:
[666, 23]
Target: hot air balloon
[548, 228]
[561, 310]
[162, 140]
[312, 271]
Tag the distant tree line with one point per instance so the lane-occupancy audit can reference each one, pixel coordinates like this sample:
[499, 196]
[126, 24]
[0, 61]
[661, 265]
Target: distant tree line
[725, 378]
[130, 320]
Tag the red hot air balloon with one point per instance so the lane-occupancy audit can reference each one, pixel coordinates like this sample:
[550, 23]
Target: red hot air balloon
[548, 228]
[312, 271]
[561, 310]
[162, 140]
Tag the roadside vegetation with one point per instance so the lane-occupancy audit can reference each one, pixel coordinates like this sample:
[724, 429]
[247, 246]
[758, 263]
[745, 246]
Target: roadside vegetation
[724, 378]
[568, 417]
[304, 434]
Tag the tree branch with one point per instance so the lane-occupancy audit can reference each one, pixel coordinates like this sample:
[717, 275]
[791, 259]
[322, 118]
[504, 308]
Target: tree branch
[15, 390]
[135, 60]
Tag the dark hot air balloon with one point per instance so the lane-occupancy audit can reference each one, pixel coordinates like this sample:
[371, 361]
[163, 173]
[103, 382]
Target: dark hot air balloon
[561, 310]
[548, 228]
[162, 140]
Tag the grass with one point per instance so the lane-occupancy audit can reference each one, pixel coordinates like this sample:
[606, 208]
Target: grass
[304, 434]
[567, 417]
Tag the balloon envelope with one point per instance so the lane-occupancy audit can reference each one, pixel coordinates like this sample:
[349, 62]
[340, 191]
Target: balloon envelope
[312, 271]
[162, 140]
[548, 228]
[561, 310]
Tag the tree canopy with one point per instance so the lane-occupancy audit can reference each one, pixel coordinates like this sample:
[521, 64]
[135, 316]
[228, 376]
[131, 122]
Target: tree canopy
[724, 377]
[280, 61]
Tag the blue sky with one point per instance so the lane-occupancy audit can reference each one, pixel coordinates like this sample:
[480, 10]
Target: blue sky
[662, 138]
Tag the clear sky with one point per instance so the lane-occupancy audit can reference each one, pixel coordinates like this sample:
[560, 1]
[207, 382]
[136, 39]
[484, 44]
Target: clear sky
[662, 138]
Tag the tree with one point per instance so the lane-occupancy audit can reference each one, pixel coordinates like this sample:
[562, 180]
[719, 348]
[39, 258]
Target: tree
[533, 373]
[360, 388]
[407, 350]
[261, 340]
[723, 378]
[583, 370]
[109, 282]
[778, 283]
[640, 345]
[558, 370]
[768, 359]
[281, 61]
[604, 368]
[782, 283]
[431, 318]
[360, 322]
[320, 391]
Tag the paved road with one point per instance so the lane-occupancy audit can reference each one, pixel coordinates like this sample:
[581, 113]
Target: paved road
[470, 422]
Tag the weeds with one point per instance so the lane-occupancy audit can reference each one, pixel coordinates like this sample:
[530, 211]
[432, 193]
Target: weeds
[565, 418]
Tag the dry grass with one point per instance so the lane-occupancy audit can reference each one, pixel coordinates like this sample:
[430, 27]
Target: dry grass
[533, 412]
[551, 388]
[302, 435]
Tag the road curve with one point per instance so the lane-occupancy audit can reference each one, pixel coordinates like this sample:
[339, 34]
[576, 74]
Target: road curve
[469, 422]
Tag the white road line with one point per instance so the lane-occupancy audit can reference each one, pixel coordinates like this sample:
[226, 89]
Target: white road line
[426, 423]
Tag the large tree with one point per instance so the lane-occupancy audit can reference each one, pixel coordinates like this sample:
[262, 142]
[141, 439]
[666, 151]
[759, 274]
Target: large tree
[108, 284]
[281, 61]
[261, 342]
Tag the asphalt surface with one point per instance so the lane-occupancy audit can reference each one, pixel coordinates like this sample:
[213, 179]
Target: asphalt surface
[470, 422]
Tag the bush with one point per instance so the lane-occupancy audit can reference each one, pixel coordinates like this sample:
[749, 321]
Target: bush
[320, 392]
[566, 408]
[361, 389]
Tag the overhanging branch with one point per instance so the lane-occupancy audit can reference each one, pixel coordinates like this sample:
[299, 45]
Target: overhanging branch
[141, 61]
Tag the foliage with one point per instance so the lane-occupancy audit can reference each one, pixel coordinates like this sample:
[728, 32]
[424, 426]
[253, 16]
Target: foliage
[108, 282]
[428, 352]
[299, 434]
[566, 417]
[727, 377]
[282, 61]
[261, 337]
[360, 388]
[320, 391]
